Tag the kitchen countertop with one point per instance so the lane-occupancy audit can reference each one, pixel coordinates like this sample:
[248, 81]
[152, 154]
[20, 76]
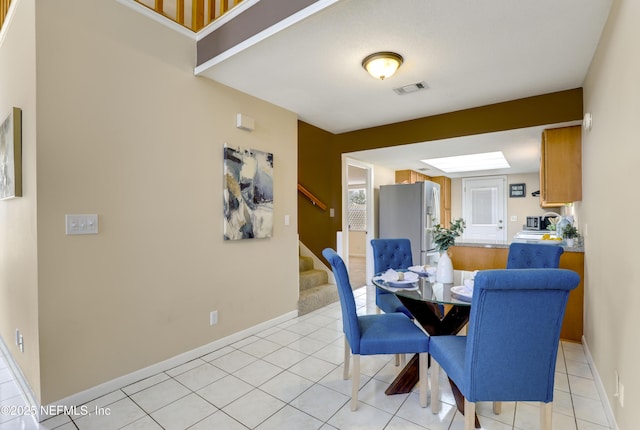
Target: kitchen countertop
[483, 243]
[505, 244]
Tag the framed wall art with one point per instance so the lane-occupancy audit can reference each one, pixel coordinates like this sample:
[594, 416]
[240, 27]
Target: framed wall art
[517, 190]
[248, 194]
[11, 155]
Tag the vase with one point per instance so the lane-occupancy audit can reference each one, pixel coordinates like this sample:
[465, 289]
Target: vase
[570, 243]
[444, 269]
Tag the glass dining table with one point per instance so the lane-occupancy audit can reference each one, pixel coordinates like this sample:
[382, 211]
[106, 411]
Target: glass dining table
[441, 309]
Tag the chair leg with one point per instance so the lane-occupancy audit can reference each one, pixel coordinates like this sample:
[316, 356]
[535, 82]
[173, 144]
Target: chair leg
[347, 357]
[355, 382]
[497, 408]
[435, 395]
[545, 415]
[470, 415]
[401, 359]
[422, 372]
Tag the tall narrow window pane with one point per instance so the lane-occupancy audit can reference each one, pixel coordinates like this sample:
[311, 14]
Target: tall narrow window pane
[356, 215]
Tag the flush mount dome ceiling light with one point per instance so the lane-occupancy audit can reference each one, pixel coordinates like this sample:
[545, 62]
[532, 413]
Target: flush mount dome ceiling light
[382, 65]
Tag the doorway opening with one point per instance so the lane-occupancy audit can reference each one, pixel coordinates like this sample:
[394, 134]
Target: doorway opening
[357, 220]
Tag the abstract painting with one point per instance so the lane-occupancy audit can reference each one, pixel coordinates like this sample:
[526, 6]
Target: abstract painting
[248, 194]
[11, 155]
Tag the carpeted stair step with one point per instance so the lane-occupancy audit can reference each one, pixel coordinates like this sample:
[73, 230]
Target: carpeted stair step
[312, 278]
[316, 297]
[305, 263]
[315, 291]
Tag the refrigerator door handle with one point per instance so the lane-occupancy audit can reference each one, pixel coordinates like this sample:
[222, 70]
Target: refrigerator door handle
[435, 199]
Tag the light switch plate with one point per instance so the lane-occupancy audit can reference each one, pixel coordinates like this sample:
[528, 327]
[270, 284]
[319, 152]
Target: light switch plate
[81, 224]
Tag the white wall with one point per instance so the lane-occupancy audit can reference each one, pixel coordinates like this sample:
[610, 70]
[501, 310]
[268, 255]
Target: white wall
[610, 163]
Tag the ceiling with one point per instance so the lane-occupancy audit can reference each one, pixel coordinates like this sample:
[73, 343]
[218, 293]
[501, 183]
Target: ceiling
[469, 53]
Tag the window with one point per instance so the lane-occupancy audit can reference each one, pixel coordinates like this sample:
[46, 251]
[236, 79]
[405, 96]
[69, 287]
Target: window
[357, 210]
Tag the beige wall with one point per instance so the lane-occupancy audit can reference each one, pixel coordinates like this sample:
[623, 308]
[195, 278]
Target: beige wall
[610, 161]
[18, 228]
[521, 207]
[126, 131]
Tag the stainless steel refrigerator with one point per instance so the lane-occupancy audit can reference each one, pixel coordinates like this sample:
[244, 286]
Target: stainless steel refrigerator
[408, 211]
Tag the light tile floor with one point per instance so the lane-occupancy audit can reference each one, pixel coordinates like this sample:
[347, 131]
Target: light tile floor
[290, 377]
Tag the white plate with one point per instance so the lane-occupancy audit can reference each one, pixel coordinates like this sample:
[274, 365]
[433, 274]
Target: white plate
[392, 276]
[420, 270]
[409, 278]
[404, 287]
[463, 292]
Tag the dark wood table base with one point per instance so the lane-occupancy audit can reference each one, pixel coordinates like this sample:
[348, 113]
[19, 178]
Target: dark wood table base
[406, 379]
[435, 322]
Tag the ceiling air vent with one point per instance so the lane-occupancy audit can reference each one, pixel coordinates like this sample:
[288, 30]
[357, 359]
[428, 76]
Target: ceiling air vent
[411, 88]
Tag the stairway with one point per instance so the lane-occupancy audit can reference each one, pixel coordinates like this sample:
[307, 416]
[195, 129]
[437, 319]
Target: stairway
[315, 291]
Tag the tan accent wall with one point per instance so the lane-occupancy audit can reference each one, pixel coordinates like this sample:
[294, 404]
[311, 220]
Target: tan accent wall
[18, 221]
[320, 152]
[125, 130]
[610, 154]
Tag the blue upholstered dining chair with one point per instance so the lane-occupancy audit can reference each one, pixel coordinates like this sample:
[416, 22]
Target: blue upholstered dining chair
[533, 256]
[509, 353]
[392, 333]
[391, 254]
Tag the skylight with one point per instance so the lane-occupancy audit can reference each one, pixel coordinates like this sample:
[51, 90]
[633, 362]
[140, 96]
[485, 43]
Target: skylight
[469, 163]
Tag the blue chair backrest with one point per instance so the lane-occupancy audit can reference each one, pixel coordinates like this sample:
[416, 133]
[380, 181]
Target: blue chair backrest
[347, 301]
[533, 256]
[391, 254]
[514, 330]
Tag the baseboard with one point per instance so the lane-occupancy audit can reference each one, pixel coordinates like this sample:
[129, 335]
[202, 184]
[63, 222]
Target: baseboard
[93, 393]
[608, 410]
[20, 379]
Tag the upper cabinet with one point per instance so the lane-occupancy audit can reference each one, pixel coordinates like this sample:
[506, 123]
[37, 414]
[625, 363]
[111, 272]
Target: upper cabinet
[561, 166]
[410, 177]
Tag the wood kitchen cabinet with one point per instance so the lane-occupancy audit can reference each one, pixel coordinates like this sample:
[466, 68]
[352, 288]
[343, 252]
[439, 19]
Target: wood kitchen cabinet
[480, 258]
[561, 166]
[411, 177]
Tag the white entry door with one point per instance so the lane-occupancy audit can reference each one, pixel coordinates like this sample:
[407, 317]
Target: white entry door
[484, 208]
